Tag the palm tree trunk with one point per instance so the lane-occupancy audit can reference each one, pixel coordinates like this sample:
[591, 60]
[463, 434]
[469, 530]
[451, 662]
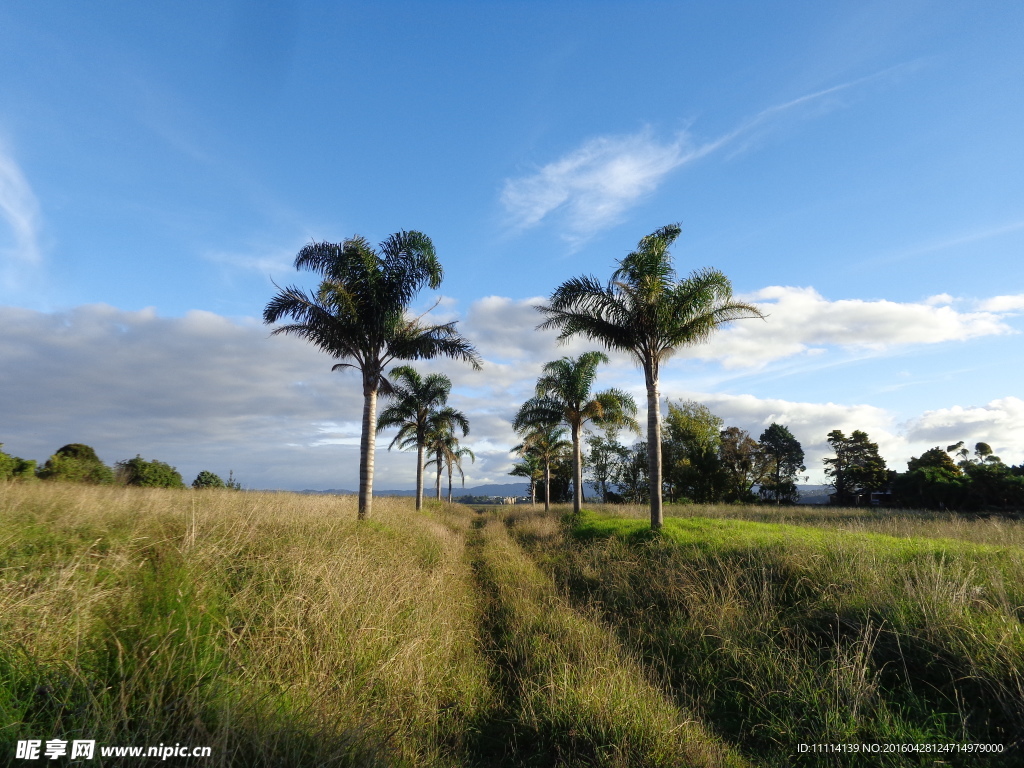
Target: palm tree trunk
[654, 445]
[367, 443]
[449, 482]
[439, 468]
[577, 471]
[547, 486]
[419, 475]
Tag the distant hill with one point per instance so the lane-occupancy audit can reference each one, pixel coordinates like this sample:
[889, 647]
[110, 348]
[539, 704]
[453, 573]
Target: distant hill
[509, 489]
[809, 494]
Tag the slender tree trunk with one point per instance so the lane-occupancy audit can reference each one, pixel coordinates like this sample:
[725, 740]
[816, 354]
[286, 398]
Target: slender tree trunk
[577, 471]
[654, 445]
[367, 444]
[533, 492]
[439, 468]
[547, 486]
[449, 483]
[419, 475]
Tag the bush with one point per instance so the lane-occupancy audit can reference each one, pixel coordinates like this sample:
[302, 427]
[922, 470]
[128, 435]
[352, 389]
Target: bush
[148, 474]
[207, 480]
[76, 463]
[15, 468]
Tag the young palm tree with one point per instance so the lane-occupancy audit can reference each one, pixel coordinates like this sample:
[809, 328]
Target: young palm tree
[414, 398]
[645, 311]
[359, 313]
[453, 460]
[547, 443]
[441, 427]
[531, 468]
[563, 395]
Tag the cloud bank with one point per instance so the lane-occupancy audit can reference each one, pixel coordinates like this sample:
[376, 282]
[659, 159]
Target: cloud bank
[207, 392]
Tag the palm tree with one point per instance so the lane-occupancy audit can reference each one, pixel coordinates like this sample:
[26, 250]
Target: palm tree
[360, 313]
[645, 311]
[531, 468]
[441, 426]
[453, 459]
[415, 398]
[563, 394]
[546, 442]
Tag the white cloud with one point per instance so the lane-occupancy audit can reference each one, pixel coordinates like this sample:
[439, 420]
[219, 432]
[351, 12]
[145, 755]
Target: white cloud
[19, 210]
[595, 183]
[802, 321]
[1000, 423]
[1012, 303]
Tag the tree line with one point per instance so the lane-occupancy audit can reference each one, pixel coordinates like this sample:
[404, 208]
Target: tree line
[78, 463]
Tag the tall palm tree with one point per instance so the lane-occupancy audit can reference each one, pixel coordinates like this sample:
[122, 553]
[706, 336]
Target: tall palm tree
[547, 443]
[414, 398]
[645, 311]
[441, 426]
[360, 313]
[563, 395]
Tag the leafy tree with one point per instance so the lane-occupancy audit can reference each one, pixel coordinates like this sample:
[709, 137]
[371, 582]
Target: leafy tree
[742, 464]
[360, 313]
[563, 395]
[690, 452]
[548, 444]
[441, 439]
[645, 311]
[414, 399]
[16, 468]
[785, 458]
[634, 485]
[148, 474]
[935, 458]
[77, 463]
[605, 461]
[207, 479]
[856, 468]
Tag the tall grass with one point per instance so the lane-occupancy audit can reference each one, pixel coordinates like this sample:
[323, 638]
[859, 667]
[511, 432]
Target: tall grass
[782, 635]
[271, 627]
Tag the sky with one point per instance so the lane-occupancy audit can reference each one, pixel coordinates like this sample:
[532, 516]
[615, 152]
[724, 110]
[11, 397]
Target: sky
[855, 168]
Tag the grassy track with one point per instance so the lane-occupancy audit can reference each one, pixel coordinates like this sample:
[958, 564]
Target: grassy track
[278, 631]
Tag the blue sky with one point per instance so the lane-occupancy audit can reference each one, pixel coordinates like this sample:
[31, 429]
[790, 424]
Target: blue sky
[856, 168]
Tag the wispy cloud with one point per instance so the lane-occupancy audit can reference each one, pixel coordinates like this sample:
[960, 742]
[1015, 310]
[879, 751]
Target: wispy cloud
[19, 211]
[593, 185]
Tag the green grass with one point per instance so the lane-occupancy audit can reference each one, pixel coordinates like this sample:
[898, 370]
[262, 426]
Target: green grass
[782, 634]
[277, 630]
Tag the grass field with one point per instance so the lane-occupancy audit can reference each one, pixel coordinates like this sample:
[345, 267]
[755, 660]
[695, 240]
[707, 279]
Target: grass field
[278, 631]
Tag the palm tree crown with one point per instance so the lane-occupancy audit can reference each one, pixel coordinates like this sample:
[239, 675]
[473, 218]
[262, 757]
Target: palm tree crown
[646, 311]
[563, 395]
[360, 313]
[414, 398]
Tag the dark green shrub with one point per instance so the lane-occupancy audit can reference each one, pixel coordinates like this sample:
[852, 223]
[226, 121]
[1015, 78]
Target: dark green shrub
[76, 463]
[15, 468]
[207, 480]
[148, 474]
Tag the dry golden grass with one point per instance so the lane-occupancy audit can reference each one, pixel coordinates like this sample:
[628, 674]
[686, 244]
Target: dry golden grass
[272, 627]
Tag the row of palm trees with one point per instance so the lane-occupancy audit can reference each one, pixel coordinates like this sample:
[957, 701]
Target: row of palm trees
[360, 313]
[425, 422]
